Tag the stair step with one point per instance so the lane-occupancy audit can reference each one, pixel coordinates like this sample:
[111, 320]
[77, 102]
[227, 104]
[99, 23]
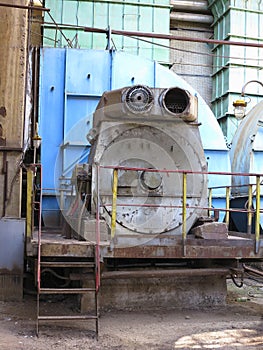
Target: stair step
[67, 264]
[61, 318]
[66, 290]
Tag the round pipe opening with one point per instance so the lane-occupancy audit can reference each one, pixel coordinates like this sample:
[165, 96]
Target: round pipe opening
[175, 100]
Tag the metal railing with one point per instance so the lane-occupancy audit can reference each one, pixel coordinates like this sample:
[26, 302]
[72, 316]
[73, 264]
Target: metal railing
[34, 185]
[184, 207]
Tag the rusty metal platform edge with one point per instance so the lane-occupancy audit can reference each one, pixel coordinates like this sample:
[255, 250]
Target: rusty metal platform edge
[234, 247]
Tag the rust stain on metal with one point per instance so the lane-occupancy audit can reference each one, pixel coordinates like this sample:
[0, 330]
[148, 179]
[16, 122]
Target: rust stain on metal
[72, 250]
[163, 273]
[2, 138]
[227, 249]
[3, 111]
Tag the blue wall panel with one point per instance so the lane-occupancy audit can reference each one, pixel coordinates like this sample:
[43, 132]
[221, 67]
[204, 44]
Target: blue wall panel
[87, 71]
[52, 78]
[130, 70]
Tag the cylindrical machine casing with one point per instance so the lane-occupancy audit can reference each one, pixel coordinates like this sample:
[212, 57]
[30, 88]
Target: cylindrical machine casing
[150, 140]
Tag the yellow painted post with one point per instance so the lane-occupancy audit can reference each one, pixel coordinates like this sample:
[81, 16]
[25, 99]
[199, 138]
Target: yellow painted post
[257, 221]
[114, 203]
[97, 247]
[209, 201]
[29, 213]
[227, 204]
[184, 211]
[249, 207]
[61, 205]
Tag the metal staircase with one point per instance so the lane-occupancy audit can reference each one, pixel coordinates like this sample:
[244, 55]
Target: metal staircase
[88, 268]
[83, 268]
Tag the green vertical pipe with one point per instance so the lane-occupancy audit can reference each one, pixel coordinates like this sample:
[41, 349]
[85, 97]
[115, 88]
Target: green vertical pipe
[114, 203]
[257, 223]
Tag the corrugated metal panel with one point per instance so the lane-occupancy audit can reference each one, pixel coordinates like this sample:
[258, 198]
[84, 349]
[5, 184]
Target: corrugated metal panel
[235, 65]
[127, 15]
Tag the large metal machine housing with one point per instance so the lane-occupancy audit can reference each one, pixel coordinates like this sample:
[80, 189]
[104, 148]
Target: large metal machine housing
[145, 132]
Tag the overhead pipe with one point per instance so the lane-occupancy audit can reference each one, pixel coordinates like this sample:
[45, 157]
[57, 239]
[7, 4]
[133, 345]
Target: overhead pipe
[190, 6]
[191, 17]
[167, 36]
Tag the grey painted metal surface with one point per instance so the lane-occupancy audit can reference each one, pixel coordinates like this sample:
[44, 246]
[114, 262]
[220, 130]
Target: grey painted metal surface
[247, 152]
[151, 138]
[12, 235]
[247, 146]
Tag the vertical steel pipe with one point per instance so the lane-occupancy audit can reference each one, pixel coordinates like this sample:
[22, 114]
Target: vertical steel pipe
[257, 221]
[114, 203]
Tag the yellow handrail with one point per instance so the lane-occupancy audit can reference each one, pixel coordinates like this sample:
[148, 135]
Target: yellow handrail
[209, 200]
[249, 208]
[227, 205]
[29, 208]
[114, 202]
